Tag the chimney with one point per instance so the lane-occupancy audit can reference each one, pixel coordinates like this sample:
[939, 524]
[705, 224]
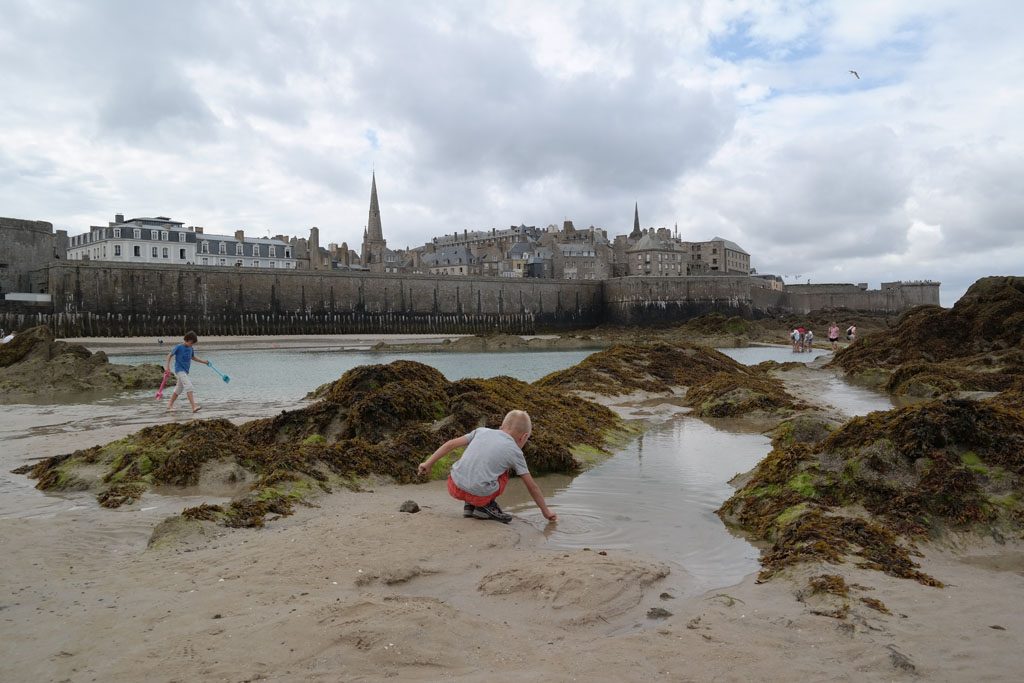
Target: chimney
[119, 218]
[199, 230]
[240, 235]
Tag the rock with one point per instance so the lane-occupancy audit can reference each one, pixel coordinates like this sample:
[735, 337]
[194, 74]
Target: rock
[34, 363]
[409, 506]
[658, 613]
[900, 660]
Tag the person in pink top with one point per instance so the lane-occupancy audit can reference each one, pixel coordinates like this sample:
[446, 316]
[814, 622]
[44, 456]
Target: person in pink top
[833, 335]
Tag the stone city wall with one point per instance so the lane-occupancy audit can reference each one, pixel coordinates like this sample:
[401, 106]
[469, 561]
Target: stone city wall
[893, 297]
[104, 299]
[93, 299]
[24, 246]
[663, 300]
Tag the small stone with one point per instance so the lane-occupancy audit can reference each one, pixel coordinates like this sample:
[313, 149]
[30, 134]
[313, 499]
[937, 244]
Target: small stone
[658, 613]
[602, 552]
[217, 616]
[409, 506]
[667, 596]
[998, 627]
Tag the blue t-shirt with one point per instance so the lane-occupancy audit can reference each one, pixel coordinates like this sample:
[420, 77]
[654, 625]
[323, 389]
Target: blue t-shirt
[182, 357]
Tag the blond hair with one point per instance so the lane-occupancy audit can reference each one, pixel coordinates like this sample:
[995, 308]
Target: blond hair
[517, 423]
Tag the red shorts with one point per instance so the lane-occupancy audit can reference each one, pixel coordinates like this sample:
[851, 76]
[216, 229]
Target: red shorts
[479, 501]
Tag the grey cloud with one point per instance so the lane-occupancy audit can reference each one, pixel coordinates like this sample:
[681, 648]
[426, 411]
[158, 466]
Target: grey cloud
[475, 100]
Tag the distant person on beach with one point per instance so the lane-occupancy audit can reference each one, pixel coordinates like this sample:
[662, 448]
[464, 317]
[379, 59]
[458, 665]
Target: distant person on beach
[183, 355]
[851, 333]
[794, 336]
[480, 475]
[809, 341]
[801, 331]
[833, 335]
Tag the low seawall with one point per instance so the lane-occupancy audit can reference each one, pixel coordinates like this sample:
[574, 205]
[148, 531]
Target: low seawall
[118, 325]
[105, 299]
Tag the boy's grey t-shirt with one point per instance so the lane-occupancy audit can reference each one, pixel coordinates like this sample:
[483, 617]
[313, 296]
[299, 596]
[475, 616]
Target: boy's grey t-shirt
[489, 454]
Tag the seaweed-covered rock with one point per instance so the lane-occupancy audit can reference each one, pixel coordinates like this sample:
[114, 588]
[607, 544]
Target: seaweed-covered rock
[978, 345]
[916, 470]
[34, 363]
[718, 385]
[655, 367]
[736, 394]
[374, 420]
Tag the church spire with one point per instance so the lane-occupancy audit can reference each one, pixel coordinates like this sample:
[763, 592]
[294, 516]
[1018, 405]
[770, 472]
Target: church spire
[636, 221]
[374, 231]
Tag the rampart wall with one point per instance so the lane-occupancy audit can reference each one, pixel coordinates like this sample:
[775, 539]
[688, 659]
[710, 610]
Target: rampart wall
[24, 246]
[893, 297]
[104, 299]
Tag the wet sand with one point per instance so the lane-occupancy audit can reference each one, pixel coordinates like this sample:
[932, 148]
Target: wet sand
[324, 342]
[354, 590]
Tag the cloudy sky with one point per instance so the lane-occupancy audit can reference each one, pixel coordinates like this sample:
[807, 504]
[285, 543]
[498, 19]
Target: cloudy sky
[738, 119]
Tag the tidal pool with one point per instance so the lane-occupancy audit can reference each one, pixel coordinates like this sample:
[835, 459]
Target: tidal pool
[656, 495]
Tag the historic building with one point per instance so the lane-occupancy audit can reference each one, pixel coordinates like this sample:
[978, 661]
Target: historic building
[138, 240]
[170, 242]
[375, 247]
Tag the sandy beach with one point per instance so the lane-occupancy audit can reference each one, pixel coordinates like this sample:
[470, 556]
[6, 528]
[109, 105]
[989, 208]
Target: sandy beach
[351, 589]
[355, 590]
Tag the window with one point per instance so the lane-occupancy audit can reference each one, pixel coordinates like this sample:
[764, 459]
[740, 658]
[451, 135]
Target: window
[222, 248]
[287, 252]
[181, 237]
[273, 264]
[223, 262]
[206, 261]
[165, 252]
[273, 252]
[117, 250]
[163, 235]
[137, 250]
[136, 233]
[181, 254]
[154, 252]
[255, 250]
[117, 232]
[255, 264]
[104, 251]
[204, 247]
[154, 235]
[238, 263]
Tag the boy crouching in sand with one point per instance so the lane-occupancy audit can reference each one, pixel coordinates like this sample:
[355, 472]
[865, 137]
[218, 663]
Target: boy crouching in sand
[183, 355]
[480, 475]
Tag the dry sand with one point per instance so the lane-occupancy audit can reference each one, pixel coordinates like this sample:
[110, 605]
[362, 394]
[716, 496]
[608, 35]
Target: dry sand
[357, 591]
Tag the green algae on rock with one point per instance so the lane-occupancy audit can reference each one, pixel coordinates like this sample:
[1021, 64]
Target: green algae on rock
[874, 485]
[378, 420]
[33, 363]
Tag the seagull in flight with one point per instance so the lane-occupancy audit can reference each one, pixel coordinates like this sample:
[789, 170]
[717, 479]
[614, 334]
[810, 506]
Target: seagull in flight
[855, 74]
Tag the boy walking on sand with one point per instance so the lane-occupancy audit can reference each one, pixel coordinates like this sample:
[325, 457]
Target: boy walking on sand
[480, 475]
[183, 355]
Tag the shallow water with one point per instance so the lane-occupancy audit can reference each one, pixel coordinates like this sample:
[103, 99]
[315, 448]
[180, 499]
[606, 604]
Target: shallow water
[288, 374]
[656, 495]
[752, 355]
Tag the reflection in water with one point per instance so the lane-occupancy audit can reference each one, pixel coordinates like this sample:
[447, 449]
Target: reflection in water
[658, 496]
[752, 355]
